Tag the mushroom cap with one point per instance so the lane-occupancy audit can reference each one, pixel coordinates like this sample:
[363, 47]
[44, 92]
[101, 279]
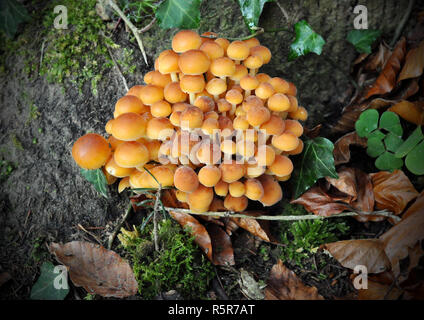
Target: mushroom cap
[173, 93]
[250, 135]
[236, 204]
[232, 171]
[228, 147]
[211, 114]
[108, 126]
[280, 85]
[223, 67]
[192, 84]
[224, 43]
[265, 155]
[253, 189]
[168, 62]
[129, 127]
[163, 174]
[254, 170]
[278, 102]
[181, 196]
[200, 199]
[212, 49]
[225, 125]
[239, 73]
[245, 148]
[210, 126]
[123, 184]
[180, 106]
[274, 126]
[91, 151]
[238, 50]
[131, 154]
[153, 146]
[292, 89]
[252, 101]
[140, 179]
[300, 114]
[234, 96]
[240, 123]
[253, 62]
[204, 103]
[186, 40]
[114, 143]
[293, 103]
[252, 42]
[282, 166]
[249, 82]
[223, 105]
[216, 86]
[264, 90]
[263, 77]
[283, 178]
[129, 103]
[221, 188]
[115, 170]
[208, 152]
[160, 108]
[236, 189]
[159, 128]
[175, 118]
[240, 111]
[209, 175]
[261, 51]
[294, 127]
[194, 62]
[257, 115]
[272, 190]
[298, 150]
[156, 78]
[191, 118]
[285, 141]
[185, 179]
[135, 91]
[150, 94]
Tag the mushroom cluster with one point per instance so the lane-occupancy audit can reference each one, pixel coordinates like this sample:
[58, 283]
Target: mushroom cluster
[206, 122]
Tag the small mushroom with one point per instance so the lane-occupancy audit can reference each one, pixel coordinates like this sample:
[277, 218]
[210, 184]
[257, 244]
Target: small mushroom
[232, 171]
[236, 204]
[131, 154]
[91, 151]
[285, 141]
[160, 108]
[185, 179]
[200, 199]
[215, 87]
[272, 190]
[159, 128]
[236, 189]
[282, 166]
[209, 175]
[186, 40]
[248, 83]
[253, 189]
[238, 51]
[221, 188]
[193, 62]
[192, 85]
[129, 127]
[223, 68]
[173, 93]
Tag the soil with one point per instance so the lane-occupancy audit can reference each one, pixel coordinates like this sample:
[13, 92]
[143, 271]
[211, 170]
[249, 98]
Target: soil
[45, 197]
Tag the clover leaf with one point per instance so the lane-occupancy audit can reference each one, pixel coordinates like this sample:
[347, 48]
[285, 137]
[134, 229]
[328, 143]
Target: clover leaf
[390, 121]
[367, 123]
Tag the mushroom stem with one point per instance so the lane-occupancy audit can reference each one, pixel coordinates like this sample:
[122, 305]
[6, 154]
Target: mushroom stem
[192, 97]
[284, 114]
[247, 93]
[174, 77]
[233, 109]
[252, 72]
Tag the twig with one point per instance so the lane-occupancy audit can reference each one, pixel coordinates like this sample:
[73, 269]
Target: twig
[402, 23]
[283, 11]
[132, 27]
[148, 27]
[118, 227]
[42, 54]
[226, 214]
[118, 70]
[88, 232]
[155, 217]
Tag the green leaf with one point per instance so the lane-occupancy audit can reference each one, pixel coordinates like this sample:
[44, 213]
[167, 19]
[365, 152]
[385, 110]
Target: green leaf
[363, 39]
[183, 14]
[390, 121]
[307, 40]
[376, 134]
[375, 147]
[367, 122]
[316, 162]
[44, 288]
[97, 179]
[12, 14]
[392, 142]
[388, 161]
[414, 161]
[410, 143]
[251, 11]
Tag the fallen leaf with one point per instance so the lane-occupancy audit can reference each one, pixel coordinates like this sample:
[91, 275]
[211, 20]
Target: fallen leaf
[414, 63]
[254, 226]
[366, 252]
[387, 78]
[313, 132]
[98, 270]
[405, 234]
[365, 201]
[378, 291]
[346, 183]
[410, 111]
[378, 60]
[44, 288]
[392, 190]
[196, 229]
[408, 88]
[341, 150]
[283, 284]
[222, 248]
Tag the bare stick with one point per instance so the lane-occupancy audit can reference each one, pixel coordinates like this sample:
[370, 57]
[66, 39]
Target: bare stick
[91, 234]
[231, 214]
[283, 11]
[155, 217]
[118, 227]
[148, 27]
[118, 70]
[402, 23]
[132, 27]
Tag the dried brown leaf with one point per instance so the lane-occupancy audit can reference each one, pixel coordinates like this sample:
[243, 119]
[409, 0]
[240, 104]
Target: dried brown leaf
[392, 190]
[341, 150]
[410, 111]
[346, 183]
[365, 201]
[378, 60]
[98, 270]
[283, 284]
[256, 227]
[414, 63]
[378, 291]
[405, 235]
[222, 248]
[196, 229]
[366, 252]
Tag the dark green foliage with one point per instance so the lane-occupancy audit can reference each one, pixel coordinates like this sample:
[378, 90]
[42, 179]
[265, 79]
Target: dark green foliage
[97, 179]
[251, 11]
[12, 13]
[363, 39]
[183, 14]
[179, 264]
[307, 40]
[137, 11]
[6, 168]
[44, 288]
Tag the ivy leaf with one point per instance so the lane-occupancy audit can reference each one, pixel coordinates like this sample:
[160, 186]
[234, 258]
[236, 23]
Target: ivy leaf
[367, 123]
[307, 40]
[316, 162]
[251, 11]
[388, 161]
[12, 14]
[390, 122]
[363, 39]
[97, 179]
[44, 288]
[183, 14]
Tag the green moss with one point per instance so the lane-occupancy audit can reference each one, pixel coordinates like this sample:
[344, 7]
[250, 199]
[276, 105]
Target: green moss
[6, 169]
[16, 142]
[178, 265]
[302, 238]
[39, 251]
